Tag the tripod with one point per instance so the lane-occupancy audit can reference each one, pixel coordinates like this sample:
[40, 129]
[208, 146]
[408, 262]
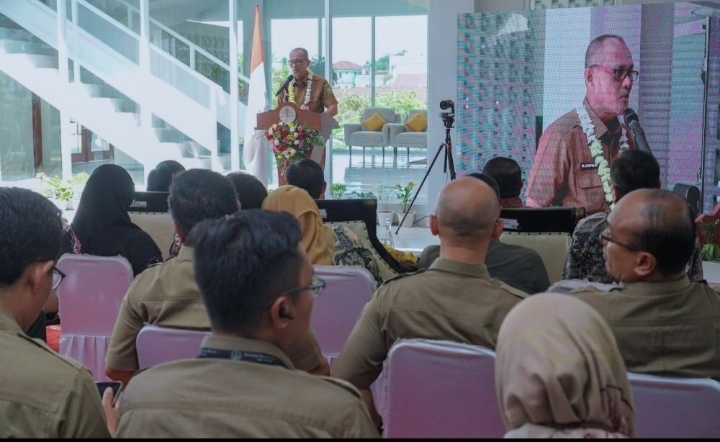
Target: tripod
[448, 120]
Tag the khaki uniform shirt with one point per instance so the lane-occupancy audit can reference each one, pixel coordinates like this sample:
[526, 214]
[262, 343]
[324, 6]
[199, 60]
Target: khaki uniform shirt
[450, 301]
[43, 394]
[227, 398]
[167, 295]
[321, 94]
[666, 328]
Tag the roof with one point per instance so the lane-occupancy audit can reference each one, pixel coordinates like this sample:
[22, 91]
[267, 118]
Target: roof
[347, 66]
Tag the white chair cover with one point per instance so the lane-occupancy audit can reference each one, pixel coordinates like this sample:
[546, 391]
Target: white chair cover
[156, 345]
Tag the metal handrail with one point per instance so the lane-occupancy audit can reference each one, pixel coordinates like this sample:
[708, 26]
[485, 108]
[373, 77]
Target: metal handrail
[108, 19]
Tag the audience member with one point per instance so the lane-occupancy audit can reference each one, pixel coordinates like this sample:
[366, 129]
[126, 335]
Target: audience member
[167, 295]
[258, 287]
[663, 323]
[517, 266]
[508, 175]
[102, 224]
[455, 299]
[307, 174]
[43, 394]
[160, 178]
[559, 374]
[633, 169]
[250, 191]
[318, 240]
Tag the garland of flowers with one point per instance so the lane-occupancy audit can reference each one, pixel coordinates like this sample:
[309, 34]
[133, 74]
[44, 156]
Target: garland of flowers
[308, 91]
[596, 150]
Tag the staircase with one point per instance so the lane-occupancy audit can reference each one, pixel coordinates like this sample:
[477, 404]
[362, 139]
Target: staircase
[187, 108]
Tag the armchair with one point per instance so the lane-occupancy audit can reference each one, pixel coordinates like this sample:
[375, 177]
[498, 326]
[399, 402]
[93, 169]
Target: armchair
[400, 135]
[357, 134]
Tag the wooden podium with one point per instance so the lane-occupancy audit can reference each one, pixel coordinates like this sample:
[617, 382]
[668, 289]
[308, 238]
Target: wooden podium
[291, 113]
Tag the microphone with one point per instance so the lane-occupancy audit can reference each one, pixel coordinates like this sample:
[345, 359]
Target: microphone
[636, 132]
[284, 85]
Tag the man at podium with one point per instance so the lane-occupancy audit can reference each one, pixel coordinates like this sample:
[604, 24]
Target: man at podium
[310, 92]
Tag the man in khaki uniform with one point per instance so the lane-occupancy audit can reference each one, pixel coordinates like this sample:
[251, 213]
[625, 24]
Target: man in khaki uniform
[663, 323]
[167, 294]
[42, 394]
[455, 299]
[258, 286]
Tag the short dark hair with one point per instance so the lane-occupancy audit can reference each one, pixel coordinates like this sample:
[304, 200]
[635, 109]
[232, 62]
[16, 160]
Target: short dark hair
[508, 175]
[487, 179]
[244, 260]
[160, 178]
[199, 194]
[250, 191]
[595, 46]
[635, 169]
[30, 231]
[306, 174]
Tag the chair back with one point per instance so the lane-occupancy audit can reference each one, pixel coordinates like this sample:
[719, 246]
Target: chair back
[89, 301]
[389, 115]
[552, 248]
[149, 211]
[338, 307]
[675, 407]
[156, 345]
[441, 389]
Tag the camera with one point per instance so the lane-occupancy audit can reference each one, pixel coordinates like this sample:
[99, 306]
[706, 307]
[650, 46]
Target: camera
[447, 104]
[448, 116]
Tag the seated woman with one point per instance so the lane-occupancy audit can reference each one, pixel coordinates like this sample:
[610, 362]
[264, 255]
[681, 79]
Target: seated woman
[160, 178]
[559, 373]
[102, 225]
[318, 240]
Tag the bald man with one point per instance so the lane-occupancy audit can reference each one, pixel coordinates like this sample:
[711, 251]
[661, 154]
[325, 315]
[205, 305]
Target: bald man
[663, 323]
[455, 299]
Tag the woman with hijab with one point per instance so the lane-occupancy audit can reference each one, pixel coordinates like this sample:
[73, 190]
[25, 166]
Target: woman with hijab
[102, 225]
[318, 239]
[559, 373]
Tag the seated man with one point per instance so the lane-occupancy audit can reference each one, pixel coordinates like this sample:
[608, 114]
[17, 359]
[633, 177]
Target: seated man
[42, 394]
[258, 287]
[307, 174]
[514, 265]
[167, 294]
[633, 169]
[508, 175]
[663, 323]
[454, 300]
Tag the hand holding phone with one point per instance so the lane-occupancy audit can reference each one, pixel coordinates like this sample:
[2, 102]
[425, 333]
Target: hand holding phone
[115, 385]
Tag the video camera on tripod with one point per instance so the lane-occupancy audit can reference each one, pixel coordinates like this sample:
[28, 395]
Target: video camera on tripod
[449, 116]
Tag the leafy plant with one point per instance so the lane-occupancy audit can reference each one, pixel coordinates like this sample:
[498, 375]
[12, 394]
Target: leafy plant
[364, 195]
[337, 190]
[403, 192]
[384, 196]
[57, 188]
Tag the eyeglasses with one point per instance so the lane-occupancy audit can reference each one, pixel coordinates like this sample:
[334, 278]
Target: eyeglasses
[292, 62]
[57, 277]
[619, 74]
[607, 238]
[316, 287]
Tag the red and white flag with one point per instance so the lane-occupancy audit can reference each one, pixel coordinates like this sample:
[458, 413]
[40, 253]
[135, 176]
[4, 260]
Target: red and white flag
[255, 149]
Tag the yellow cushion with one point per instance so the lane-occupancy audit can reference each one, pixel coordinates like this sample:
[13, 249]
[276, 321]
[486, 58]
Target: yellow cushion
[375, 122]
[418, 123]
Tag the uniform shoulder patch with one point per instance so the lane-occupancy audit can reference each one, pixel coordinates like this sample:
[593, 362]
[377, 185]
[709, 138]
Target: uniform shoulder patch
[342, 384]
[328, 90]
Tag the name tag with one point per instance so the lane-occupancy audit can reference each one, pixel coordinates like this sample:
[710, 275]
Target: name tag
[586, 166]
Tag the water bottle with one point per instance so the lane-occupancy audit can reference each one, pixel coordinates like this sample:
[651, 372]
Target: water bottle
[388, 232]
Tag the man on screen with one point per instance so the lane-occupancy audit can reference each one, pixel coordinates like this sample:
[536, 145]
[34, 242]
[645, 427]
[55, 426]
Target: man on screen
[572, 163]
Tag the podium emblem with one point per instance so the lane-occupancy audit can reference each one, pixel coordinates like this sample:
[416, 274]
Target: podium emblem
[287, 114]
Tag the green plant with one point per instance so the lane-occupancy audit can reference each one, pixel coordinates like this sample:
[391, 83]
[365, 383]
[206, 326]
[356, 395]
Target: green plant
[384, 196]
[363, 195]
[57, 188]
[80, 178]
[337, 190]
[403, 192]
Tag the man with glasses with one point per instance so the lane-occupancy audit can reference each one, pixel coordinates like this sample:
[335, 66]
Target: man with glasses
[663, 323]
[258, 287]
[569, 168]
[42, 394]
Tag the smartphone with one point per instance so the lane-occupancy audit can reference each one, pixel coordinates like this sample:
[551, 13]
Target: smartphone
[115, 385]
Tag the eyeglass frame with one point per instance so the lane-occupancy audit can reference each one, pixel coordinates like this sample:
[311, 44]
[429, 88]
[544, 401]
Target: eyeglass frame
[317, 285]
[294, 62]
[625, 72]
[607, 238]
[57, 271]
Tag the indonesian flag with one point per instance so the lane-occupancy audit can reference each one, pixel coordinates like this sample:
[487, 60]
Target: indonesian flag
[254, 150]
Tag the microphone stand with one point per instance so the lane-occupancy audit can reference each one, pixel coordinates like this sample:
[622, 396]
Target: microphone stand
[448, 162]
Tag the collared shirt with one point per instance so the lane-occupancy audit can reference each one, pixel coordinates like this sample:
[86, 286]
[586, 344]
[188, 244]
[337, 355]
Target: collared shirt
[451, 301]
[167, 295]
[227, 398]
[321, 94]
[43, 394]
[564, 172]
[585, 256]
[668, 328]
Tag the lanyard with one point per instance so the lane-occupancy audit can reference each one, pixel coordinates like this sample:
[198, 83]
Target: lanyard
[245, 356]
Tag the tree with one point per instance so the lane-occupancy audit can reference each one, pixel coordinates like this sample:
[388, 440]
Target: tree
[317, 65]
[381, 64]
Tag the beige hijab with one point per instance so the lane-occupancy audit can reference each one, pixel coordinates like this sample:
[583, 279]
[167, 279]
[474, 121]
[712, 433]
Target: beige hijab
[559, 373]
[318, 240]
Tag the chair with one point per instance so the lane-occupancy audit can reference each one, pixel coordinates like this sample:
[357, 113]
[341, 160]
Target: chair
[400, 135]
[337, 309]
[356, 134]
[149, 211]
[89, 301]
[675, 407]
[441, 389]
[156, 345]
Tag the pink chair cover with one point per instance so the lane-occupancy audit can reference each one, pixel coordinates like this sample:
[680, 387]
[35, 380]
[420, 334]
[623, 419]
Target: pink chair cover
[675, 407]
[156, 345]
[89, 301]
[441, 389]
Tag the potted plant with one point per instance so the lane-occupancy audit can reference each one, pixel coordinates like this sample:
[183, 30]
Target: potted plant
[403, 192]
[363, 195]
[337, 190]
[61, 192]
[383, 213]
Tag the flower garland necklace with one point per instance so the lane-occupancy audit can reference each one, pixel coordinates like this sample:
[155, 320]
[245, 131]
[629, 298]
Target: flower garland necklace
[596, 150]
[308, 91]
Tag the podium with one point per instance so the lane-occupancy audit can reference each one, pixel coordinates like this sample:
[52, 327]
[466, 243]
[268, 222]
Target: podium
[291, 113]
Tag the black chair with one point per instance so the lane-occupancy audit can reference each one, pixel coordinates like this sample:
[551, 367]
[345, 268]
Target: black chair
[150, 202]
[545, 219]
